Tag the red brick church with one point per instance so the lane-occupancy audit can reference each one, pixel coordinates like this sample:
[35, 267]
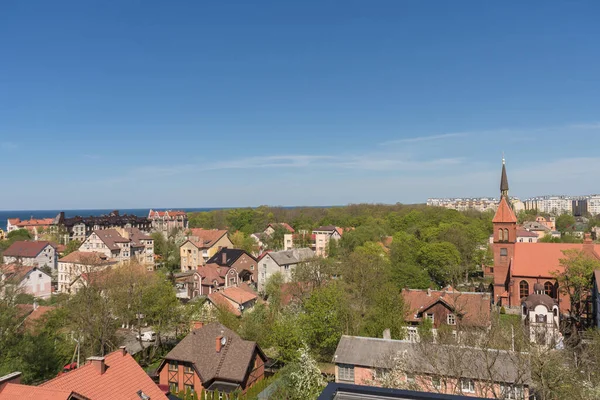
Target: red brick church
[518, 265]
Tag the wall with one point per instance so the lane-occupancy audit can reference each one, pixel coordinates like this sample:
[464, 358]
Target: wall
[182, 377]
[257, 372]
[37, 283]
[515, 298]
[190, 256]
[219, 244]
[248, 263]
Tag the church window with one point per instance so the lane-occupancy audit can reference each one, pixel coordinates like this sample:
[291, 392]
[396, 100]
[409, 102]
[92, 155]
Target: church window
[506, 235]
[500, 235]
[549, 289]
[524, 289]
[504, 251]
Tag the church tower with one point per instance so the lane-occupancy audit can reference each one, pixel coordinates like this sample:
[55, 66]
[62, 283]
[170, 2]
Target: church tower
[505, 237]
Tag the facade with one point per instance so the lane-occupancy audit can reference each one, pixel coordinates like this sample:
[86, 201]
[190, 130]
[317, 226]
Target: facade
[114, 376]
[34, 225]
[167, 221]
[472, 372]
[79, 228]
[215, 278]
[27, 279]
[121, 245]
[461, 311]
[593, 204]
[284, 261]
[33, 254]
[201, 245]
[212, 358]
[73, 265]
[322, 236]
[541, 317]
[463, 204]
[555, 205]
[243, 262]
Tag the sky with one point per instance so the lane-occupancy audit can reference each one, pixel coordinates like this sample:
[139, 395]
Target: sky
[127, 104]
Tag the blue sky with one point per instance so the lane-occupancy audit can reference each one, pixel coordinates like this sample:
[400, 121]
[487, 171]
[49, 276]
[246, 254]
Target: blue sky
[206, 104]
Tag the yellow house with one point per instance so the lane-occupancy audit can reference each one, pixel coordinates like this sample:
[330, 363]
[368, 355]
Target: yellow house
[202, 244]
[2, 235]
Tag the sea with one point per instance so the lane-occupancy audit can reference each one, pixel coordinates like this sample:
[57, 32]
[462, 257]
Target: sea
[27, 214]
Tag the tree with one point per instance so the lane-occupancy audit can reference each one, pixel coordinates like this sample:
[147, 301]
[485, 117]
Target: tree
[273, 291]
[19, 234]
[574, 281]
[564, 221]
[386, 312]
[72, 246]
[302, 379]
[442, 261]
[242, 241]
[315, 271]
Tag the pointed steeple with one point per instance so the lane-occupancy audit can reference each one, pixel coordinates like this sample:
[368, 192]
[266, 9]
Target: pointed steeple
[504, 180]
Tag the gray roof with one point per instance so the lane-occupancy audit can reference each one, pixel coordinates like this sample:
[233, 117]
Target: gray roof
[294, 256]
[230, 364]
[435, 359]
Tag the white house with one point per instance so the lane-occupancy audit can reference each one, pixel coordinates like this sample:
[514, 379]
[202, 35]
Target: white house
[71, 266]
[27, 279]
[121, 244]
[540, 314]
[30, 253]
[281, 261]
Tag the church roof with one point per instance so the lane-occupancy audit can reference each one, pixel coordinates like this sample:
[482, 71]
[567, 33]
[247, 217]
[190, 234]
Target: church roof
[503, 179]
[542, 259]
[504, 213]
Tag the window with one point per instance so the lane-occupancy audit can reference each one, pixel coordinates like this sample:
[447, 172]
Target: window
[436, 382]
[467, 385]
[188, 369]
[500, 235]
[173, 366]
[506, 235]
[504, 251]
[451, 319]
[540, 318]
[429, 317]
[188, 387]
[413, 335]
[346, 372]
[523, 289]
[173, 387]
[549, 289]
[39, 275]
[252, 268]
[511, 393]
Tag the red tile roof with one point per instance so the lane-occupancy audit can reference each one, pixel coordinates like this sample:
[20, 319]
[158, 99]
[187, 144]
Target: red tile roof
[13, 391]
[239, 295]
[542, 259]
[35, 222]
[284, 225]
[219, 300]
[26, 248]
[473, 307]
[525, 233]
[504, 213]
[122, 380]
[36, 315]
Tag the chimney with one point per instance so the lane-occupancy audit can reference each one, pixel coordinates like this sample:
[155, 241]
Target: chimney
[429, 292]
[98, 364]
[223, 257]
[123, 350]
[218, 343]
[197, 325]
[387, 335]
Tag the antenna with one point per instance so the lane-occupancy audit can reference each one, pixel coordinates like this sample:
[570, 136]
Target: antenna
[503, 160]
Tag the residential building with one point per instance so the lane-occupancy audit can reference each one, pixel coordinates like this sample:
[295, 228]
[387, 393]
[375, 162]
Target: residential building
[188, 284]
[284, 261]
[212, 358]
[34, 225]
[236, 299]
[461, 311]
[323, 235]
[121, 244]
[272, 227]
[201, 245]
[580, 206]
[242, 261]
[555, 205]
[79, 228]
[540, 314]
[345, 391]
[261, 238]
[167, 221]
[71, 266]
[216, 277]
[486, 373]
[463, 204]
[593, 204]
[26, 279]
[114, 376]
[30, 253]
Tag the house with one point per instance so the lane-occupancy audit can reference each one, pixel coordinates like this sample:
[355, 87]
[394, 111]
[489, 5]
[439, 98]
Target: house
[188, 284]
[345, 391]
[79, 228]
[212, 358]
[519, 266]
[541, 317]
[11, 389]
[272, 227]
[71, 266]
[596, 298]
[486, 373]
[26, 279]
[281, 261]
[461, 311]
[261, 238]
[36, 314]
[114, 376]
[121, 244]
[201, 245]
[34, 225]
[168, 220]
[236, 299]
[323, 235]
[216, 277]
[538, 228]
[242, 261]
[30, 253]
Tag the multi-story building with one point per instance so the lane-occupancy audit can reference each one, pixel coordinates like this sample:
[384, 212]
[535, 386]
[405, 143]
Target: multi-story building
[284, 261]
[79, 228]
[167, 221]
[73, 265]
[202, 244]
[34, 225]
[30, 253]
[593, 204]
[463, 204]
[122, 244]
[26, 279]
[555, 205]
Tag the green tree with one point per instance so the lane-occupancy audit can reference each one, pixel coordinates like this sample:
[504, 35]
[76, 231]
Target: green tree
[72, 246]
[242, 241]
[564, 221]
[301, 379]
[19, 234]
[386, 312]
[442, 261]
[273, 291]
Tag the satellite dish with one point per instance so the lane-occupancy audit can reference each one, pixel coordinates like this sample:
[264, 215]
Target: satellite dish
[223, 340]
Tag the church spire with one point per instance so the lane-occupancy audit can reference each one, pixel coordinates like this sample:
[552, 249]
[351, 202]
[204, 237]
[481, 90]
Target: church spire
[504, 180]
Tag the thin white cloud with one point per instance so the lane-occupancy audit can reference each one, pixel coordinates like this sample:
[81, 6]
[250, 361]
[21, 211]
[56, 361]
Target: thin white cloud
[585, 126]
[426, 138]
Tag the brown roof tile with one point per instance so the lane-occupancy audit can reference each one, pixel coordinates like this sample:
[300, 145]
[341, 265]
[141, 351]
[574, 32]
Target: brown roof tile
[205, 238]
[26, 248]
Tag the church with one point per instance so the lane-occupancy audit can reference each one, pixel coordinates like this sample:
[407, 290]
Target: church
[518, 266]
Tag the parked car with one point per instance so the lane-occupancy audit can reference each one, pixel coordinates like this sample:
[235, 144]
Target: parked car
[149, 336]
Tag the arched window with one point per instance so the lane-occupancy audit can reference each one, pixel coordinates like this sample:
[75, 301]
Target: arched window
[506, 235]
[500, 235]
[524, 289]
[549, 289]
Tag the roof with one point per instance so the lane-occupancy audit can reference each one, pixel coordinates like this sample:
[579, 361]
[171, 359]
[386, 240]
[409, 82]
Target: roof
[239, 295]
[111, 237]
[219, 300]
[205, 238]
[230, 364]
[26, 248]
[542, 259]
[122, 379]
[284, 225]
[536, 299]
[503, 179]
[37, 314]
[434, 359]
[294, 256]
[13, 391]
[327, 228]
[33, 222]
[525, 233]
[17, 272]
[136, 236]
[474, 308]
[213, 272]
[535, 226]
[504, 213]
[231, 256]
[90, 257]
[166, 213]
